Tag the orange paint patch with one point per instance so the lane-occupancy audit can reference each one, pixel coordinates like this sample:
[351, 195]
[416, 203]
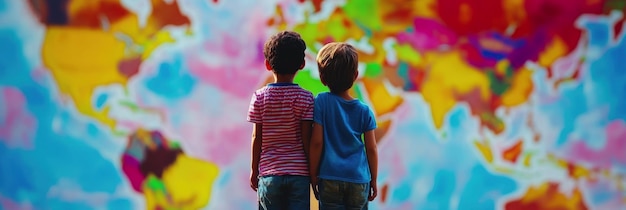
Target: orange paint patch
[384, 192]
[513, 153]
[577, 172]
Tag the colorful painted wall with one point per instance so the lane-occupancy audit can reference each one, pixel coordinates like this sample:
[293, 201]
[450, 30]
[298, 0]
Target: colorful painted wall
[481, 104]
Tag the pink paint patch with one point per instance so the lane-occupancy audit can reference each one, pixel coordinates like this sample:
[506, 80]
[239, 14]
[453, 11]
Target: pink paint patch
[612, 153]
[130, 166]
[18, 126]
[224, 145]
[229, 64]
[428, 35]
[6, 203]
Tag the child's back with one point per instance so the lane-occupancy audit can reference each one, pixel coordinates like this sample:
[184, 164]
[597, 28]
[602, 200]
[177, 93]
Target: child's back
[344, 162]
[281, 107]
[344, 122]
[282, 114]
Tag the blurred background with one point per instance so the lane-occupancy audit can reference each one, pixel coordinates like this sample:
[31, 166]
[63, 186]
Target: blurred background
[481, 104]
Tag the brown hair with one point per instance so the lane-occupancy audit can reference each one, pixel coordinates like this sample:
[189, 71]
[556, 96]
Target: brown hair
[337, 63]
[284, 52]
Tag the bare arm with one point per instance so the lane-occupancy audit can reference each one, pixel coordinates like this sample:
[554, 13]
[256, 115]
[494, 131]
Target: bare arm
[317, 144]
[306, 135]
[372, 159]
[257, 131]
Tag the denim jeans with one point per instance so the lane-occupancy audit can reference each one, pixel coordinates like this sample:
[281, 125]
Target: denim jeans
[284, 192]
[343, 195]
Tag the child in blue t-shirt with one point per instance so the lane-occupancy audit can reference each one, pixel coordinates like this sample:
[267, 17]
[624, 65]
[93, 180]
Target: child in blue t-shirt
[343, 165]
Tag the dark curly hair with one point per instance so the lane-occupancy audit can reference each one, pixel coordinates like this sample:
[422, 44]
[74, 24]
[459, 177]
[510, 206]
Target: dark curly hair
[285, 52]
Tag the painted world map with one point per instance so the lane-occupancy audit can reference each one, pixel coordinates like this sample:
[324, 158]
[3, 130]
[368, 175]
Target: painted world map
[480, 104]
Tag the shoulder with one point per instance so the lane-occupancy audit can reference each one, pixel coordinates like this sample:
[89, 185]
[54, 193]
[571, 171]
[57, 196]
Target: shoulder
[364, 107]
[322, 95]
[305, 92]
[261, 91]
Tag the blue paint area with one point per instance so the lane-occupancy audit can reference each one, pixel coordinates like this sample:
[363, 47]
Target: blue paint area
[484, 188]
[3, 5]
[603, 195]
[571, 105]
[599, 33]
[601, 88]
[402, 192]
[172, 80]
[101, 100]
[609, 80]
[27, 175]
[440, 196]
[120, 204]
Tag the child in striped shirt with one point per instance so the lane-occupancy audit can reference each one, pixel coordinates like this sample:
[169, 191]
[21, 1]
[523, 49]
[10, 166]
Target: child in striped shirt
[282, 114]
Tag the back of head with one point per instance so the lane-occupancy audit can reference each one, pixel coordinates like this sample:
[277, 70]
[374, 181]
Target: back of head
[337, 63]
[284, 52]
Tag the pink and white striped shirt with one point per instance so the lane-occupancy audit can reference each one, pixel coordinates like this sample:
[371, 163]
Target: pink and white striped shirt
[280, 107]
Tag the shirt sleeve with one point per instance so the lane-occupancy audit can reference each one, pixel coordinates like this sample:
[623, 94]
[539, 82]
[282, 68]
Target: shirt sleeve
[317, 110]
[308, 108]
[254, 110]
[370, 120]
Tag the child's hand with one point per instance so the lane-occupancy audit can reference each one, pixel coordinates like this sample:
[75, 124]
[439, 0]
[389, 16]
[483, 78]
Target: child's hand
[254, 181]
[373, 191]
[316, 191]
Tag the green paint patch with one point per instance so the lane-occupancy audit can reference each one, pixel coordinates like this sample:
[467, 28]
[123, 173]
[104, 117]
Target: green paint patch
[614, 5]
[499, 85]
[358, 91]
[174, 144]
[309, 33]
[365, 13]
[406, 53]
[155, 184]
[306, 81]
[373, 70]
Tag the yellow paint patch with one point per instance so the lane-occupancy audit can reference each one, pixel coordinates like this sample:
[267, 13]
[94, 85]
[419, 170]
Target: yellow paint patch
[189, 182]
[527, 159]
[382, 101]
[579, 172]
[78, 69]
[448, 76]
[485, 150]
[405, 52]
[556, 49]
[159, 39]
[425, 8]
[521, 87]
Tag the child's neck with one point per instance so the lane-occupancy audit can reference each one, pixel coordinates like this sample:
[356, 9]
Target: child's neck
[284, 78]
[345, 95]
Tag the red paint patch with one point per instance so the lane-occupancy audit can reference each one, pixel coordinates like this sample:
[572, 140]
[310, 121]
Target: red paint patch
[547, 196]
[129, 67]
[168, 14]
[468, 17]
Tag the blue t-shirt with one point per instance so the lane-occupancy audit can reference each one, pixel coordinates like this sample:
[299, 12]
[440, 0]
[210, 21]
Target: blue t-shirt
[344, 122]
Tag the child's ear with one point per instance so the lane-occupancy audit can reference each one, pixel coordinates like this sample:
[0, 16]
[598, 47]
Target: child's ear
[356, 75]
[302, 65]
[267, 65]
